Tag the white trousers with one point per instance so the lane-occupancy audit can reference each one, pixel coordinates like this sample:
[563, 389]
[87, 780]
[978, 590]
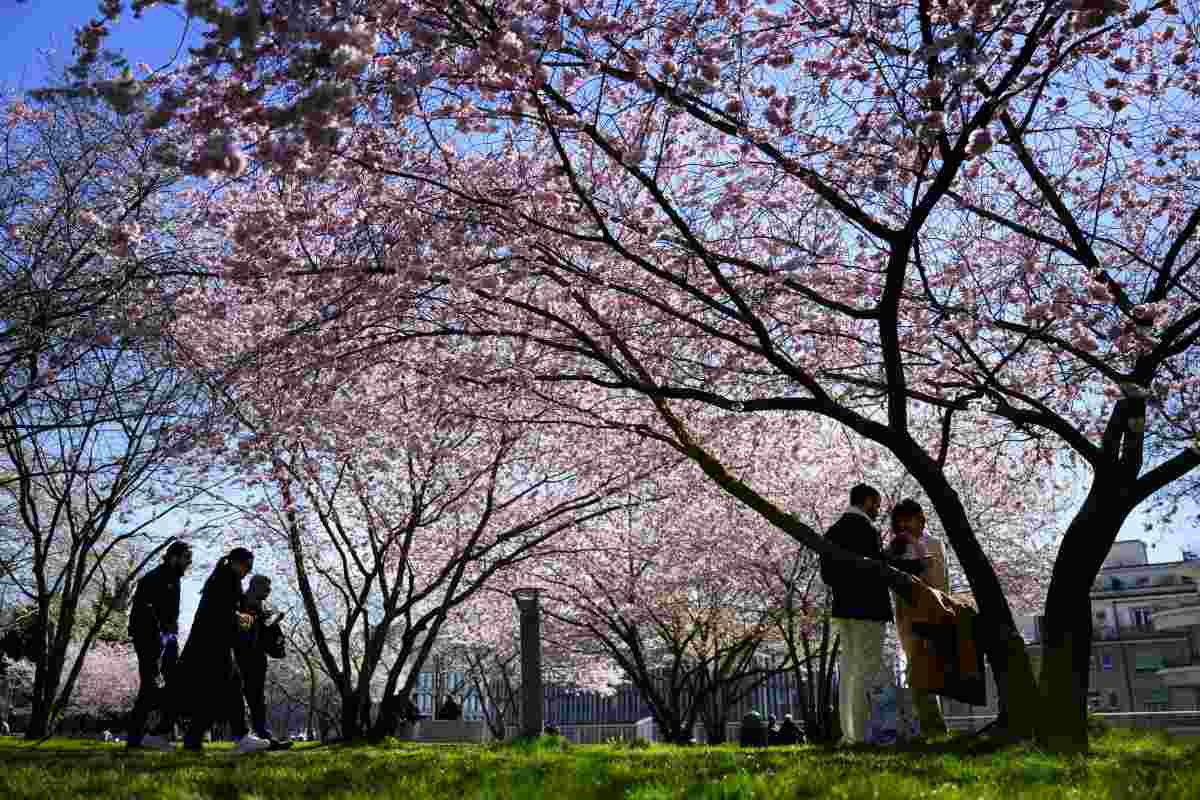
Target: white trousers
[861, 674]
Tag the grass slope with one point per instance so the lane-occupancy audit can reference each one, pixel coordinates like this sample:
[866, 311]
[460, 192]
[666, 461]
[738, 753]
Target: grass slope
[1123, 765]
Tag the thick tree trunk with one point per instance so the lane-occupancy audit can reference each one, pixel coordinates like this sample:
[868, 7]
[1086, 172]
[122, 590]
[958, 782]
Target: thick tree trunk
[1067, 623]
[39, 721]
[1063, 696]
[352, 727]
[387, 720]
[714, 726]
[42, 710]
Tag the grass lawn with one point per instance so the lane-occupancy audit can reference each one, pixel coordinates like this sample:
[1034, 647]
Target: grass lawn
[1122, 765]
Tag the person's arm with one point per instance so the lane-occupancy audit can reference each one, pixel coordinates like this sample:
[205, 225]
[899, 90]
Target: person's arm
[146, 604]
[939, 570]
[165, 604]
[833, 571]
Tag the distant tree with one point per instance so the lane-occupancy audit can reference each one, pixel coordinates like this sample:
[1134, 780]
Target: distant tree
[95, 413]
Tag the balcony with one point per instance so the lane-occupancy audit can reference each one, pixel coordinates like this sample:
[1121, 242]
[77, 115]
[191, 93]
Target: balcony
[1188, 675]
[1109, 633]
[1178, 619]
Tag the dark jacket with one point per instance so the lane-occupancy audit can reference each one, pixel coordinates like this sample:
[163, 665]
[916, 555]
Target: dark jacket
[248, 646]
[856, 595]
[253, 646]
[155, 607]
[207, 664]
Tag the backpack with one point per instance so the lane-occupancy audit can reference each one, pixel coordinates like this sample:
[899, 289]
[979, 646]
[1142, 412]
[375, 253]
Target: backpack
[272, 640]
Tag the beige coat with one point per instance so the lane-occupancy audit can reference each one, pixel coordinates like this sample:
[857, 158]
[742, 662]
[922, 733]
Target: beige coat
[936, 574]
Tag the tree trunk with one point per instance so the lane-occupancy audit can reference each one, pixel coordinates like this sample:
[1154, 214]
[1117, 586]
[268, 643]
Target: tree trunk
[1063, 696]
[351, 717]
[39, 721]
[42, 711]
[1067, 624]
[714, 722]
[387, 720]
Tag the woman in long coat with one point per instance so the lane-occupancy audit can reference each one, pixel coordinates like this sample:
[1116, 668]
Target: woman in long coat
[209, 685]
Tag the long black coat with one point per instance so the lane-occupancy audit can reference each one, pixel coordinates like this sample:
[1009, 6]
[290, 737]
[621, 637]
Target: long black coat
[207, 668]
[856, 594]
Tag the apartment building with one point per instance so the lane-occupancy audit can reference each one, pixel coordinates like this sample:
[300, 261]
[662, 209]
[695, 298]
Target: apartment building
[1137, 663]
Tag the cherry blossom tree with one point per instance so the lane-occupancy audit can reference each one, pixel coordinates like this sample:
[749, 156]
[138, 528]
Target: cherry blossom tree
[685, 632]
[944, 226]
[84, 201]
[94, 410]
[481, 640]
[397, 506]
[107, 682]
[695, 599]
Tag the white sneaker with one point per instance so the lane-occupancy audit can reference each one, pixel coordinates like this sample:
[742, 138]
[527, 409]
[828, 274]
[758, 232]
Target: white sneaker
[250, 743]
[157, 742]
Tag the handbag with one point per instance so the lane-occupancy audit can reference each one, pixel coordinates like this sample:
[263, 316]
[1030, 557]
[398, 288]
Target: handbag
[272, 636]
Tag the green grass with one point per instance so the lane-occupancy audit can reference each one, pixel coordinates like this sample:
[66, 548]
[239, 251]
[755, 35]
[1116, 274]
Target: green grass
[1123, 765]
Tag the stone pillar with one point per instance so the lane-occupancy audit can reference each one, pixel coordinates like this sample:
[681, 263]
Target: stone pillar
[529, 604]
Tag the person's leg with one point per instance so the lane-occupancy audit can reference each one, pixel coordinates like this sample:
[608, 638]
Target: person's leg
[925, 702]
[254, 689]
[927, 706]
[147, 697]
[198, 724]
[237, 707]
[845, 679]
[166, 697]
[853, 665]
[873, 671]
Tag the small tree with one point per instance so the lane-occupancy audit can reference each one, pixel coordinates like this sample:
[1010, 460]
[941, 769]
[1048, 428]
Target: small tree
[92, 410]
[395, 513]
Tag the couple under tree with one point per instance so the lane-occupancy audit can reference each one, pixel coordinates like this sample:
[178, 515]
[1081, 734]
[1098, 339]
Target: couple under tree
[862, 608]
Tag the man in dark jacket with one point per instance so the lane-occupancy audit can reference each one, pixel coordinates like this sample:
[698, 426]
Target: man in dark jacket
[862, 608]
[154, 626]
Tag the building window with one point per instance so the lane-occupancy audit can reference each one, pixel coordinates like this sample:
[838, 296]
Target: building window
[1149, 662]
[1142, 617]
[1106, 661]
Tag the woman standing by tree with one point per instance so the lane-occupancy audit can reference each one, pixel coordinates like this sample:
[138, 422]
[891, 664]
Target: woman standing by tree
[208, 672]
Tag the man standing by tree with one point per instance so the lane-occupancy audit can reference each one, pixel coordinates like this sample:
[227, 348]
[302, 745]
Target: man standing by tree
[154, 627]
[862, 607]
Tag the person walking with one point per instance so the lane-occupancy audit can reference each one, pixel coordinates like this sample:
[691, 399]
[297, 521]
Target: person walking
[911, 543]
[154, 629]
[209, 682]
[862, 608]
[252, 648]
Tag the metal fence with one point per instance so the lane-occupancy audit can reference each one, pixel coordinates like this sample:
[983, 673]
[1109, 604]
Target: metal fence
[1174, 722]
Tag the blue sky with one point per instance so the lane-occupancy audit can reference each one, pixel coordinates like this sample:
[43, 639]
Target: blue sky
[30, 29]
